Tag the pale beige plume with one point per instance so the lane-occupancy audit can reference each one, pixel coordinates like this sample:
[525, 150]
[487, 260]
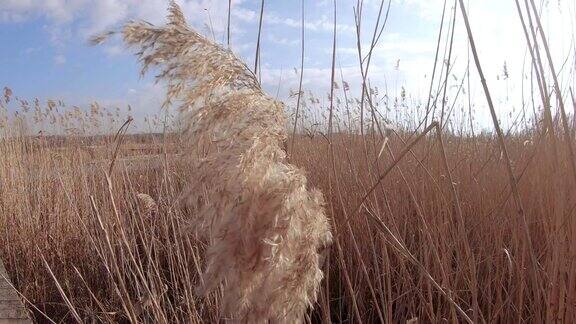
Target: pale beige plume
[264, 226]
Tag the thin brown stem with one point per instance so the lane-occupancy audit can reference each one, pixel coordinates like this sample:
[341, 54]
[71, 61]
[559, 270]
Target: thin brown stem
[502, 143]
[298, 99]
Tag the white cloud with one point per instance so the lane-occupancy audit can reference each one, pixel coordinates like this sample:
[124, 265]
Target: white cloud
[499, 38]
[58, 34]
[75, 21]
[11, 17]
[243, 14]
[324, 23]
[98, 15]
[282, 40]
[31, 50]
[60, 11]
[59, 59]
[106, 14]
[114, 50]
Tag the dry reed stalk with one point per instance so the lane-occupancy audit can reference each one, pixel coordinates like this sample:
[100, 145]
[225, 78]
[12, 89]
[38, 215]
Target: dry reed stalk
[428, 108]
[574, 115]
[448, 61]
[257, 54]
[536, 280]
[299, 98]
[228, 24]
[540, 76]
[264, 227]
[559, 98]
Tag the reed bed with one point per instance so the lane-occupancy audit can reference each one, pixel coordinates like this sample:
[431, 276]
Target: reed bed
[429, 224]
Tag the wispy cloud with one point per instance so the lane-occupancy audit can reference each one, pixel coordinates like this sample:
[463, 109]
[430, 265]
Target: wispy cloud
[59, 59]
[59, 11]
[323, 24]
[243, 14]
[283, 40]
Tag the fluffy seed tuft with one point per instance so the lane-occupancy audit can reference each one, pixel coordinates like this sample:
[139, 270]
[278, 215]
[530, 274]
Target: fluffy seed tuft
[264, 226]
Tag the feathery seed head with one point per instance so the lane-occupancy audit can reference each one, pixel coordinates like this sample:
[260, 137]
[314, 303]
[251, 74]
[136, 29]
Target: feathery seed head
[264, 226]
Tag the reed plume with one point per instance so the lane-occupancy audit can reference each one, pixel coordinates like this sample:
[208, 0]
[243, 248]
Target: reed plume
[264, 226]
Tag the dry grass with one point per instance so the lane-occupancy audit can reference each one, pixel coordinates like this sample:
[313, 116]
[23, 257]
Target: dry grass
[440, 238]
[113, 253]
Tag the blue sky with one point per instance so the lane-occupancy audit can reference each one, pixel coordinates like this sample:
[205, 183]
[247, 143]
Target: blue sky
[45, 52]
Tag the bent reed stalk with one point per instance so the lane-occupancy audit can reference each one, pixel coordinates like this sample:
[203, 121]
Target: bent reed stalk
[263, 226]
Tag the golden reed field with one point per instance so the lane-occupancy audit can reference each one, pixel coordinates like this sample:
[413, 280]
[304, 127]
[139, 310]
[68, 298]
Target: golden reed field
[238, 215]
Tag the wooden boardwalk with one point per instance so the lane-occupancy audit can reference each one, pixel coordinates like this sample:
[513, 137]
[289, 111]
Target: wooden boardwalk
[12, 311]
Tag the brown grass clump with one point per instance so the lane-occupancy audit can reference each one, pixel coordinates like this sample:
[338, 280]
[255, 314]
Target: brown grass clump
[265, 228]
